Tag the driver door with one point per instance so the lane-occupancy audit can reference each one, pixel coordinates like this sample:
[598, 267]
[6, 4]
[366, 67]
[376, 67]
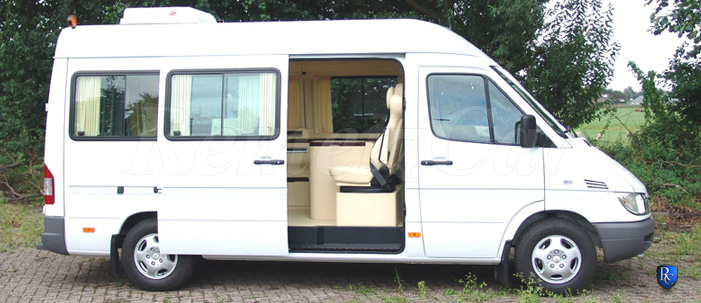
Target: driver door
[474, 174]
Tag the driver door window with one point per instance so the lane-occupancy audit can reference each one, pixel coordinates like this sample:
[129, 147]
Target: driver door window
[504, 116]
[471, 108]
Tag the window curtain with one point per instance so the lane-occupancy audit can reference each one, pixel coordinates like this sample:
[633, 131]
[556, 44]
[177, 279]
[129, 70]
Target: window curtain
[87, 106]
[295, 108]
[181, 98]
[257, 95]
[268, 92]
[322, 105]
[249, 97]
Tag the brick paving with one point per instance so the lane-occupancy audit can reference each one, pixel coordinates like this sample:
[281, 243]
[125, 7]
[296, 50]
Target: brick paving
[29, 275]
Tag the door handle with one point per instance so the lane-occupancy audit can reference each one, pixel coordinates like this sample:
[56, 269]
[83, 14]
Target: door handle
[434, 162]
[269, 162]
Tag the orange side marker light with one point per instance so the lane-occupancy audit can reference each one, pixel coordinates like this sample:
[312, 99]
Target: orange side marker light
[414, 235]
[88, 229]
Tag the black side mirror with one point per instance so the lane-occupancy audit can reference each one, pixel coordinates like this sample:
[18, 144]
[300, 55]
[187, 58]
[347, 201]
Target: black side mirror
[527, 132]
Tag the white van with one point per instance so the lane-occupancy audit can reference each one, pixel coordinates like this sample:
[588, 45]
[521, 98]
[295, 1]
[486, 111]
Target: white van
[172, 136]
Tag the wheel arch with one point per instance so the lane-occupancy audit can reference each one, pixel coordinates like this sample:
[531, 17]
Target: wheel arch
[567, 215]
[134, 219]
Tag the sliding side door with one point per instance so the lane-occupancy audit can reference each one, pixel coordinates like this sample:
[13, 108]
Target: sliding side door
[223, 190]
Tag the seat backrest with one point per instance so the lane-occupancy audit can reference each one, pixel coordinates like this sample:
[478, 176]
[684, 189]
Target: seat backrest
[387, 148]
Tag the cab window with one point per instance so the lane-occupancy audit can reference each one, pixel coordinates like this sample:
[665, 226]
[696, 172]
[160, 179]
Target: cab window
[471, 108]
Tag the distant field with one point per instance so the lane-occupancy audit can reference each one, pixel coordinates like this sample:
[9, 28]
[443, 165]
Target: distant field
[631, 118]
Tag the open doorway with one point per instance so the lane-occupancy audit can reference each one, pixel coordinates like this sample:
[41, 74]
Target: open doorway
[345, 158]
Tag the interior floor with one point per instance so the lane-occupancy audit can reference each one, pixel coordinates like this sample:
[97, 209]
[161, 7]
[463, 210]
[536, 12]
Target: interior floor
[302, 217]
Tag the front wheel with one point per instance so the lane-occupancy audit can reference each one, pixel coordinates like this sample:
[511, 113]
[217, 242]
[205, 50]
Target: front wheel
[147, 267]
[558, 253]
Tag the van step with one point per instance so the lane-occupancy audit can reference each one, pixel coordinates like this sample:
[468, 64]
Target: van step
[356, 247]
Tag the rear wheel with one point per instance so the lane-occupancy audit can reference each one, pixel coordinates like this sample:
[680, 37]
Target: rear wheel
[147, 267]
[558, 254]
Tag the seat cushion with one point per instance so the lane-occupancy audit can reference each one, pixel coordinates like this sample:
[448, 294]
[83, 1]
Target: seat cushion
[351, 174]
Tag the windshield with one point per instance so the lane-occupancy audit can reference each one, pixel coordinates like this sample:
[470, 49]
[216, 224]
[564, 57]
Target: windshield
[549, 118]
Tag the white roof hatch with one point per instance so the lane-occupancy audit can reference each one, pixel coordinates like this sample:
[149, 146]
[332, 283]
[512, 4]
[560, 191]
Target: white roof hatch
[165, 15]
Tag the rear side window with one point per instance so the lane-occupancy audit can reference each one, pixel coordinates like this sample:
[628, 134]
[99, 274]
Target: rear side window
[223, 105]
[117, 106]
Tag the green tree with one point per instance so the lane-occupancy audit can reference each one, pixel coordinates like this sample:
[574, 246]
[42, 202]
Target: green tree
[617, 95]
[26, 47]
[630, 94]
[574, 61]
[682, 17]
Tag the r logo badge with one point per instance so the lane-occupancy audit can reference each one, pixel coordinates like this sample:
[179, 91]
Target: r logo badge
[667, 275]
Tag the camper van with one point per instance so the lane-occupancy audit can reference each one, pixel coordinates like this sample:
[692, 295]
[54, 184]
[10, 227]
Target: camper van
[171, 137]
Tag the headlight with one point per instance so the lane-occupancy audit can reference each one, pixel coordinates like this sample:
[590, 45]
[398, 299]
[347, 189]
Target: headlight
[636, 203]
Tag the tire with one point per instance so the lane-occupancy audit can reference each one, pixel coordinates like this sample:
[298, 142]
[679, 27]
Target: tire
[558, 254]
[146, 267]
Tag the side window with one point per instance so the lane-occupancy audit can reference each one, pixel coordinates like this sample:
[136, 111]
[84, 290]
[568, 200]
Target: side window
[359, 104]
[471, 108]
[115, 106]
[230, 104]
[458, 107]
[505, 115]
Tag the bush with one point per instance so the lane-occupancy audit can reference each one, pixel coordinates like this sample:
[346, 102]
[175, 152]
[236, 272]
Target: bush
[666, 153]
[21, 176]
[671, 175]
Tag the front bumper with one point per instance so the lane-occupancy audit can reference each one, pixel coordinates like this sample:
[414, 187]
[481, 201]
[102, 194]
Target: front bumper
[622, 240]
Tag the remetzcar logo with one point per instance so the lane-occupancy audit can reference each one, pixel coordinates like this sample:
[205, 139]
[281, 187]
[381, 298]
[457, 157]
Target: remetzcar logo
[667, 275]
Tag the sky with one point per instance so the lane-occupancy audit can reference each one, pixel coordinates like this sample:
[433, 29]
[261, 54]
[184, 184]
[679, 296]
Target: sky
[631, 25]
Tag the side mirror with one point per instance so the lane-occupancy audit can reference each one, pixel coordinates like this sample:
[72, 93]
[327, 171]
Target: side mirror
[527, 133]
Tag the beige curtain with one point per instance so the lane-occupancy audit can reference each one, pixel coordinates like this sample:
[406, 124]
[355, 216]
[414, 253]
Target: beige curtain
[249, 96]
[257, 95]
[87, 106]
[295, 108]
[322, 105]
[181, 98]
[268, 92]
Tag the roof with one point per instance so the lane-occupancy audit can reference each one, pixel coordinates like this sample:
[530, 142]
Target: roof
[338, 37]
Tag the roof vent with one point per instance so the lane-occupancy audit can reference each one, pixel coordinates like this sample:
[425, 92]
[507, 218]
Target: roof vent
[596, 184]
[165, 15]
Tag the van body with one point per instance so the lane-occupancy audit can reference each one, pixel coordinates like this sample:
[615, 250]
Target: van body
[172, 136]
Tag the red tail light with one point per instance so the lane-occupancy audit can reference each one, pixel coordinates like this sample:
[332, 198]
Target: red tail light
[48, 186]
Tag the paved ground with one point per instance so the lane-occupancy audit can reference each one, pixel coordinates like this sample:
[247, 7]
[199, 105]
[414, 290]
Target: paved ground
[28, 275]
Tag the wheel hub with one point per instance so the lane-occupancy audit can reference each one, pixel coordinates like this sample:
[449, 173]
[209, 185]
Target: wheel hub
[149, 260]
[556, 259]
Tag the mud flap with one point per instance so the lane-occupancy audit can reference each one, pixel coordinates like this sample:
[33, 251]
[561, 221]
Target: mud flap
[115, 244]
[501, 272]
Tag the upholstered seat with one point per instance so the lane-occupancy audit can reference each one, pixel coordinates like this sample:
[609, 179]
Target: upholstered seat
[379, 171]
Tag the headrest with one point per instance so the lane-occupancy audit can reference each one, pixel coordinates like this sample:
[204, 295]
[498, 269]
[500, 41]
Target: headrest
[394, 99]
[390, 93]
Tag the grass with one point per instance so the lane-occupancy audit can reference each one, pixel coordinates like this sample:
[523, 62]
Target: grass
[615, 125]
[20, 224]
[360, 289]
[682, 249]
